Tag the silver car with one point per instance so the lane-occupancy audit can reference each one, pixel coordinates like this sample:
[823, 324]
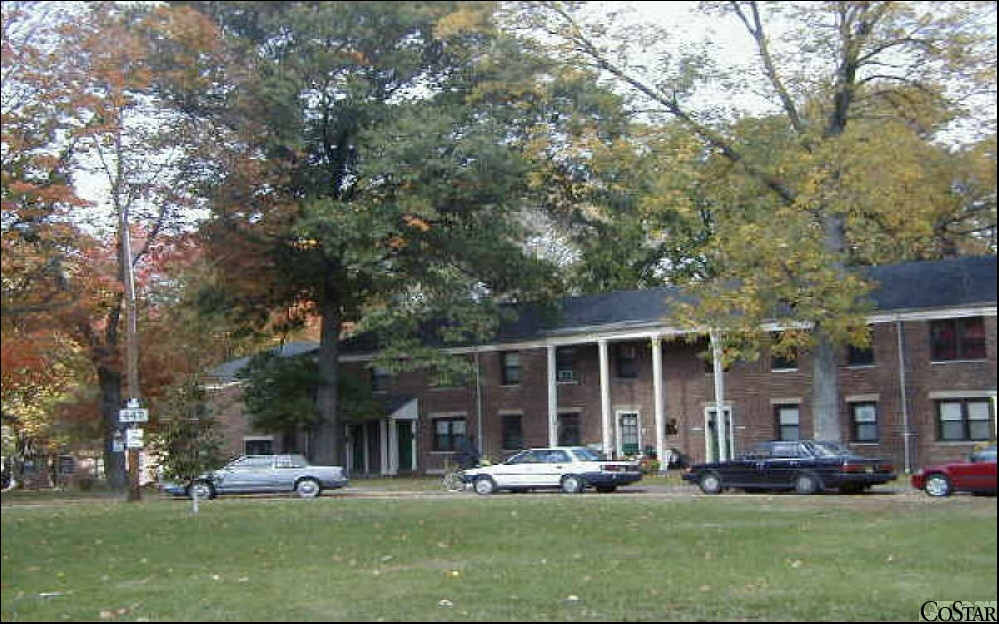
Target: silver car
[264, 473]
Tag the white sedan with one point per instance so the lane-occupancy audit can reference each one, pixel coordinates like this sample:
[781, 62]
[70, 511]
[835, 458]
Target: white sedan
[569, 468]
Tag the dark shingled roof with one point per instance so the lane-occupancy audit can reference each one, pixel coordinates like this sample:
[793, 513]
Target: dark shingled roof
[907, 286]
[228, 370]
[936, 284]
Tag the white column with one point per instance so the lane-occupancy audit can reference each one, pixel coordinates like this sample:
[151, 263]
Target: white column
[393, 447]
[605, 402]
[367, 449]
[658, 401]
[720, 428]
[383, 435]
[552, 399]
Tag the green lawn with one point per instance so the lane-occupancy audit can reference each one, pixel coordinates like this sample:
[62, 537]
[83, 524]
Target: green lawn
[504, 557]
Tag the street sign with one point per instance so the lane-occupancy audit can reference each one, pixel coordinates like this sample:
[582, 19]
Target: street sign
[117, 446]
[133, 415]
[133, 438]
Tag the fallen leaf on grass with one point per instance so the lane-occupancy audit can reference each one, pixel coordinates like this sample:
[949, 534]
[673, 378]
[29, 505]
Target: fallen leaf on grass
[445, 603]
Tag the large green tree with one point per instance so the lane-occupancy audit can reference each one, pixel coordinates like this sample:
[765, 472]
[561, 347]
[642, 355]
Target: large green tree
[374, 173]
[833, 168]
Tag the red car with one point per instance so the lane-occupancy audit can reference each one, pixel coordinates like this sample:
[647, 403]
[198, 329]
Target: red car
[978, 475]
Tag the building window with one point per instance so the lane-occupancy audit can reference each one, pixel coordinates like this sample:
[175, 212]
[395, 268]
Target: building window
[565, 364]
[380, 378]
[627, 361]
[964, 419]
[788, 361]
[258, 446]
[628, 433]
[958, 339]
[787, 422]
[568, 430]
[860, 356]
[864, 421]
[513, 433]
[448, 433]
[510, 368]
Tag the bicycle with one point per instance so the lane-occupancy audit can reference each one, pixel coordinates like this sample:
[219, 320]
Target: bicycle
[453, 478]
[452, 481]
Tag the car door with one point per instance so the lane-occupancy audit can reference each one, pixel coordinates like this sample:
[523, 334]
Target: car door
[557, 463]
[742, 471]
[516, 471]
[780, 469]
[534, 472]
[252, 474]
[287, 468]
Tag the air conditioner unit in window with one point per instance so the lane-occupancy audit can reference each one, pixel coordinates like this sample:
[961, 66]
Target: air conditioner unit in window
[567, 375]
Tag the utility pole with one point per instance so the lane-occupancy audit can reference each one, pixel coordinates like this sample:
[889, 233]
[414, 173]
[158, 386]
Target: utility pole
[131, 350]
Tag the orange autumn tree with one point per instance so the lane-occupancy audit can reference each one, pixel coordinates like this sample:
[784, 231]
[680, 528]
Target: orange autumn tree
[85, 100]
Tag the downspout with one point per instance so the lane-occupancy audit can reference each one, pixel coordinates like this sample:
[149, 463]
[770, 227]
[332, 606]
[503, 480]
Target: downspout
[906, 434]
[478, 400]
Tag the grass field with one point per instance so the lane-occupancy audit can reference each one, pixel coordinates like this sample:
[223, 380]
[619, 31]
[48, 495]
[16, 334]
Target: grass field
[504, 557]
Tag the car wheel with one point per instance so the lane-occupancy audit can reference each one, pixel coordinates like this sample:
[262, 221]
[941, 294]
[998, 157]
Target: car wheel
[203, 489]
[806, 484]
[572, 484]
[485, 486]
[606, 489]
[307, 488]
[938, 485]
[710, 483]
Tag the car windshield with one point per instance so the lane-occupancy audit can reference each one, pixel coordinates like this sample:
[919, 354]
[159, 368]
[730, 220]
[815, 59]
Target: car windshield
[518, 458]
[585, 454]
[827, 449]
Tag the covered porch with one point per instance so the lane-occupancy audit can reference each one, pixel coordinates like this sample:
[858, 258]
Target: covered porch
[384, 446]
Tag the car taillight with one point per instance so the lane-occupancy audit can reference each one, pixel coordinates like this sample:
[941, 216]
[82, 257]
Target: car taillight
[886, 468]
[848, 467]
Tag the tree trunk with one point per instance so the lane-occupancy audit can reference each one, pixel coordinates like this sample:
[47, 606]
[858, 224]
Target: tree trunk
[114, 463]
[825, 390]
[825, 373]
[328, 443]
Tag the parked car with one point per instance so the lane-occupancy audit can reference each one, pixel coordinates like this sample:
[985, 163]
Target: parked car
[805, 466]
[977, 475]
[569, 468]
[263, 473]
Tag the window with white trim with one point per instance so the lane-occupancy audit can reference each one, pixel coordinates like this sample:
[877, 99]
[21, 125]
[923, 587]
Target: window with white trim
[964, 419]
[628, 430]
[258, 446]
[864, 421]
[569, 432]
[512, 432]
[509, 368]
[565, 364]
[449, 433]
[788, 422]
[957, 339]
[627, 361]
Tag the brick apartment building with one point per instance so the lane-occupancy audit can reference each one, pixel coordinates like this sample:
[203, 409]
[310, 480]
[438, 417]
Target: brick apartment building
[611, 373]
